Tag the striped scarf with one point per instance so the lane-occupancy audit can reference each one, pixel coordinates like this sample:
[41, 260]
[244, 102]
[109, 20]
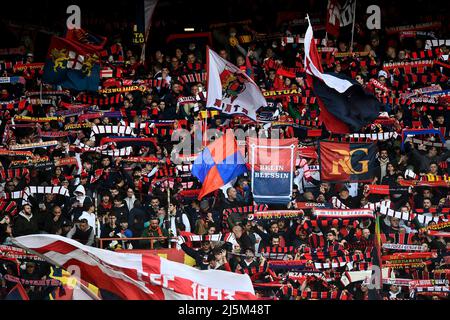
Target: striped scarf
[15, 173]
[8, 207]
[241, 210]
[100, 101]
[343, 213]
[111, 129]
[400, 238]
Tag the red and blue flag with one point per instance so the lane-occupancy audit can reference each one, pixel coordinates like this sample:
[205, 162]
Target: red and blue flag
[219, 163]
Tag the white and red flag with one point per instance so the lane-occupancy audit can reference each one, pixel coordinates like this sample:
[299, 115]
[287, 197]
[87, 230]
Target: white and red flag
[145, 276]
[230, 89]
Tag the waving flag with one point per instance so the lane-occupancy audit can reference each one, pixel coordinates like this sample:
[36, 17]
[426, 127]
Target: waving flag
[88, 39]
[230, 89]
[344, 105]
[72, 65]
[219, 163]
[142, 276]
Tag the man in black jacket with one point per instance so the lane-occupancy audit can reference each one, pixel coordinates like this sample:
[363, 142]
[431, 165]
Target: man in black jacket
[54, 222]
[25, 223]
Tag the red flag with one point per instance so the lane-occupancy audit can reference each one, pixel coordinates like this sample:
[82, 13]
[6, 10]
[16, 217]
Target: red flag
[333, 18]
[143, 276]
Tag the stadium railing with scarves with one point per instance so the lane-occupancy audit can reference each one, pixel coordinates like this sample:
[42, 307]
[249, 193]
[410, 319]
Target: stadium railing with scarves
[100, 241]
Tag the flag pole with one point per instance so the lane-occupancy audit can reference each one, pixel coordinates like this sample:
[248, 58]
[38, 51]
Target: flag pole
[51, 261]
[353, 26]
[205, 126]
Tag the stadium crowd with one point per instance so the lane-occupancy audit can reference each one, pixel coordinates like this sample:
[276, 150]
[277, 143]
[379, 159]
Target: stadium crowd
[84, 182]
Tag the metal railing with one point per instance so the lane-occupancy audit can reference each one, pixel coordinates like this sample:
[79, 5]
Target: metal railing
[150, 240]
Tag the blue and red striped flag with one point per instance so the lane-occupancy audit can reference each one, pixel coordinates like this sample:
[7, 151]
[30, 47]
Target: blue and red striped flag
[219, 163]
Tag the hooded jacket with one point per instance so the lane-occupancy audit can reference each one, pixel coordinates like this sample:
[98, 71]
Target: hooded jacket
[76, 212]
[25, 225]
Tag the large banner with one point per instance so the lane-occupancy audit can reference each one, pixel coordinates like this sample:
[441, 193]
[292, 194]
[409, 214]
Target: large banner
[230, 89]
[272, 165]
[347, 162]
